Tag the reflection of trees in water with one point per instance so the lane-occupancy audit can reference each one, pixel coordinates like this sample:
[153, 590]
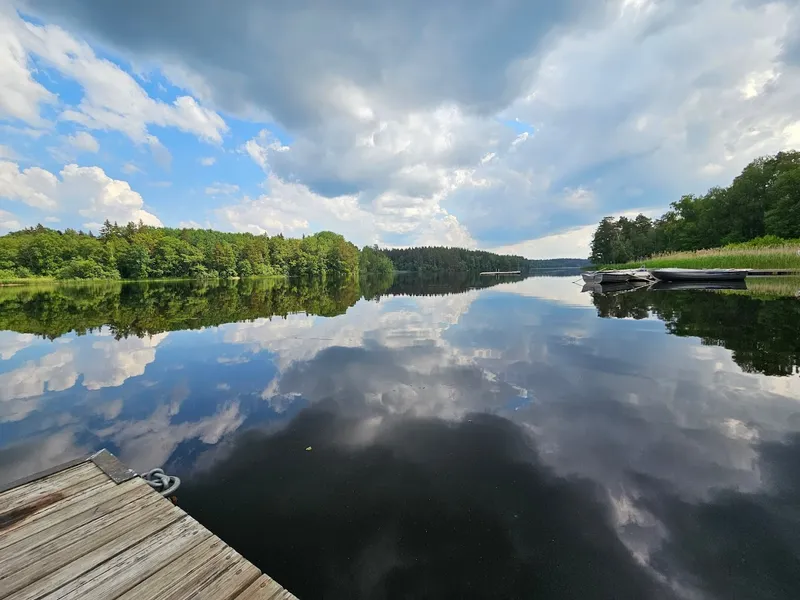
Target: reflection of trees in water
[440, 284]
[762, 333]
[151, 307]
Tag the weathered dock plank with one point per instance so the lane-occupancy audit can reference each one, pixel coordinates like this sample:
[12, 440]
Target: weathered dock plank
[90, 531]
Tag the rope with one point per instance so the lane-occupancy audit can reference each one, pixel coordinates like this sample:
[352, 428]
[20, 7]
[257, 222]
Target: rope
[161, 482]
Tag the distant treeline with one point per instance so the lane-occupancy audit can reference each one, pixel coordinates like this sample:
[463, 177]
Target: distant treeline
[764, 200]
[138, 251]
[558, 263]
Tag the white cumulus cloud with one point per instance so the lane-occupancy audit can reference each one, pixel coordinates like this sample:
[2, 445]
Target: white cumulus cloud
[85, 191]
[84, 142]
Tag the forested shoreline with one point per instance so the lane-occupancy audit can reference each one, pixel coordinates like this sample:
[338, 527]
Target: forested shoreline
[761, 208]
[137, 252]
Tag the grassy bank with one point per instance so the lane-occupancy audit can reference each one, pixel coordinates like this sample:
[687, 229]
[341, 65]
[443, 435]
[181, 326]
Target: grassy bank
[778, 257]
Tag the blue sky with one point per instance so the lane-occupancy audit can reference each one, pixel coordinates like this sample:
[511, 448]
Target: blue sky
[481, 133]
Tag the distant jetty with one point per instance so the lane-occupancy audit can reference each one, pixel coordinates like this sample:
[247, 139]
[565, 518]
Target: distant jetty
[501, 273]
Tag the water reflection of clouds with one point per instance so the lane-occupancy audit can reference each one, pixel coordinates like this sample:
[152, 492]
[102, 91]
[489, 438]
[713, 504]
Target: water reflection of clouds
[99, 360]
[617, 402]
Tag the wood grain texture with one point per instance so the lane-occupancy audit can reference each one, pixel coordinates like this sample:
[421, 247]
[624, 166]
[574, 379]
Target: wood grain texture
[78, 499]
[188, 575]
[65, 576]
[230, 583]
[76, 534]
[82, 476]
[62, 522]
[264, 588]
[117, 575]
[20, 569]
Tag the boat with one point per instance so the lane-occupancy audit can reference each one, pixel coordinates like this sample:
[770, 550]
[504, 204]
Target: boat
[700, 274]
[618, 276]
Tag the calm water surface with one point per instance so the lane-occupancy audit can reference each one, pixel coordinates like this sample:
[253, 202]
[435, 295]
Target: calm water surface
[467, 439]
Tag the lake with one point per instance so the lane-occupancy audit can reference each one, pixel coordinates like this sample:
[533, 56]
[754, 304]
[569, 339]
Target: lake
[439, 436]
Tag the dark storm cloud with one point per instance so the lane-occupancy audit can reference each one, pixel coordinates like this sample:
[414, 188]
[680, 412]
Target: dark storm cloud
[276, 56]
[428, 509]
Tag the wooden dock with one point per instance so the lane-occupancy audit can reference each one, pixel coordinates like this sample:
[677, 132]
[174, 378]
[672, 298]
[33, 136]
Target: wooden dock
[500, 273]
[92, 529]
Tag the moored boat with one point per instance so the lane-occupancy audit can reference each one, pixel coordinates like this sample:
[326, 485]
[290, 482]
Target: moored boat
[700, 274]
[619, 276]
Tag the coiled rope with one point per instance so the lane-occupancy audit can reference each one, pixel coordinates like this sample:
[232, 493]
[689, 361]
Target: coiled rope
[161, 482]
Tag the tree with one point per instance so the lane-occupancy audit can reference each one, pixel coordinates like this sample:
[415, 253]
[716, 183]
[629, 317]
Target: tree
[222, 260]
[134, 263]
[783, 219]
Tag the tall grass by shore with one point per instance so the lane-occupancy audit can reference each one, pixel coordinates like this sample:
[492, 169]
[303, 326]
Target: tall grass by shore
[731, 257]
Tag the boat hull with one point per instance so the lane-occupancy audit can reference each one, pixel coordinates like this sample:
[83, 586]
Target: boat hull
[699, 274]
[615, 276]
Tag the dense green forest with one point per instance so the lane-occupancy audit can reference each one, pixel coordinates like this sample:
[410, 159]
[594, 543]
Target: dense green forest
[142, 252]
[439, 258]
[764, 200]
[139, 252]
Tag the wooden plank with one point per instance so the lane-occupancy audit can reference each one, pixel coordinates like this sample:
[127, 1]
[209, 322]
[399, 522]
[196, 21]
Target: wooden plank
[111, 466]
[151, 529]
[129, 568]
[89, 536]
[230, 583]
[186, 575]
[22, 509]
[41, 474]
[54, 484]
[23, 570]
[264, 588]
[61, 523]
[66, 509]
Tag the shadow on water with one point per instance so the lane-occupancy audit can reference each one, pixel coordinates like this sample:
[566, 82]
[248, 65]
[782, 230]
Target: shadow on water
[413, 508]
